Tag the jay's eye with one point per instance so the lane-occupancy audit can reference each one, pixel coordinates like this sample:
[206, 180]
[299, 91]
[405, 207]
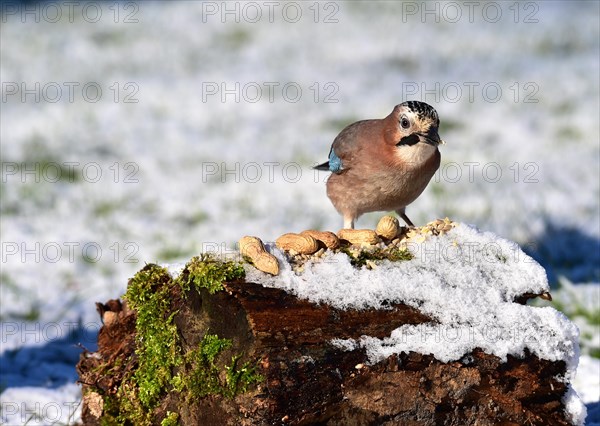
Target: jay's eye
[405, 123]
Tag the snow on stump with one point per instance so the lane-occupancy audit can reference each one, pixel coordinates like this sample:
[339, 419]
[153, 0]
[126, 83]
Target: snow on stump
[423, 330]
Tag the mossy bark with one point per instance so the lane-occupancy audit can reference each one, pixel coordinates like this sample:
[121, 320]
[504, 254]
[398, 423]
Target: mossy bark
[270, 361]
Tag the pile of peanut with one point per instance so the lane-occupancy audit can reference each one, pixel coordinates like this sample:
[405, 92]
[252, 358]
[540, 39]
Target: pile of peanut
[313, 244]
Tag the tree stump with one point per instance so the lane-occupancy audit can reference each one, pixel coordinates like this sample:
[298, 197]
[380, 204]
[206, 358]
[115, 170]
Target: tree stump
[354, 334]
[303, 378]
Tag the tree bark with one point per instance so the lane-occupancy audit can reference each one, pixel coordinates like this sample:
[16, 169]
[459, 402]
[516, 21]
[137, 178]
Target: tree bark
[306, 380]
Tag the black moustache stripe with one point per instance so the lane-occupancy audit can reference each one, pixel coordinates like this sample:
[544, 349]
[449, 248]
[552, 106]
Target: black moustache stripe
[409, 140]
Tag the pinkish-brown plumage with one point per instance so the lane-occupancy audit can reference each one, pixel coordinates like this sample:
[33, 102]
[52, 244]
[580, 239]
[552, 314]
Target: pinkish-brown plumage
[385, 164]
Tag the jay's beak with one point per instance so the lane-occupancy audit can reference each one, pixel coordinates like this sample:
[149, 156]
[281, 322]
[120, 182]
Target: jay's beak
[432, 138]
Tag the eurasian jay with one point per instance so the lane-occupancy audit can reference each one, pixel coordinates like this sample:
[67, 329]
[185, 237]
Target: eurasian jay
[383, 164]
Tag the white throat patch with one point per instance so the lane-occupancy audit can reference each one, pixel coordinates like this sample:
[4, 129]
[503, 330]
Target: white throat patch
[415, 154]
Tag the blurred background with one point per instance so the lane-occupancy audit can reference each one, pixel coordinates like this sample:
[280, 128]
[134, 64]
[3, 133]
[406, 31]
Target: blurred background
[138, 132]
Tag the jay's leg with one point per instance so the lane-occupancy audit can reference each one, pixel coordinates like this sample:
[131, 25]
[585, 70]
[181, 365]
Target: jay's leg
[402, 214]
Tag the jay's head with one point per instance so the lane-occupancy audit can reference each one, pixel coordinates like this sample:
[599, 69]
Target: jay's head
[413, 122]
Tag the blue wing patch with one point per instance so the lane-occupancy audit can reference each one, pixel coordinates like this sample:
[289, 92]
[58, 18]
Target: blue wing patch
[335, 163]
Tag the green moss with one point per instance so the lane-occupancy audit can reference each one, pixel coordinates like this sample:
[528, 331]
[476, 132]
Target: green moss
[239, 379]
[393, 254]
[111, 411]
[203, 376]
[170, 420]
[148, 294]
[163, 366]
[207, 272]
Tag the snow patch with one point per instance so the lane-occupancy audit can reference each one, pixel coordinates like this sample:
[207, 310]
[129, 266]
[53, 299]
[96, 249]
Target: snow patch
[586, 379]
[575, 407]
[40, 406]
[174, 269]
[466, 280]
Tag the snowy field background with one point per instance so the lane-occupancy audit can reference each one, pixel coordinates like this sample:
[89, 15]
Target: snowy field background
[142, 132]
